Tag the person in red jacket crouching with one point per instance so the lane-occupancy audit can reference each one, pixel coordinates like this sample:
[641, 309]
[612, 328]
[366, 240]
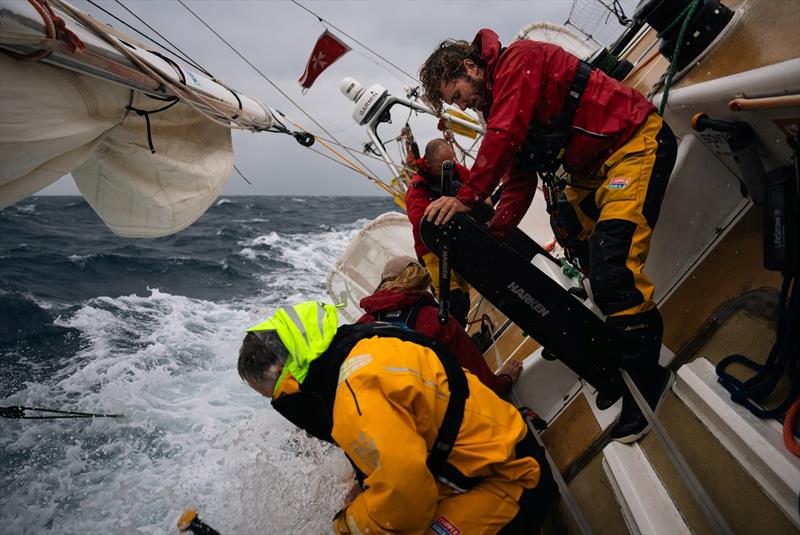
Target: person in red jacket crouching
[403, 298]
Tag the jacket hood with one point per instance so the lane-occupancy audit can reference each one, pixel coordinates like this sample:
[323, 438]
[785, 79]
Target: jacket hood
[384, 300]
[489, 44]
[306, 330]
[422, 165]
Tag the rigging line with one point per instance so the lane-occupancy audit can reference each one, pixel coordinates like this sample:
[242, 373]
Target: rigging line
[378, 182]
[325, 142]
[133, 28]
[265, 77]
[380, 65]
[362, 152]
[343, 163]
[242, 175]
[353, 39]
[191, 60]
[615, 9]
[187, 96]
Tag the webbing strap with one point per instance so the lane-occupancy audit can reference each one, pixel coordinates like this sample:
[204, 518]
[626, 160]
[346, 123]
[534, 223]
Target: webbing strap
[579, 82]
[405, 316]
[564, 124]
[451, 423]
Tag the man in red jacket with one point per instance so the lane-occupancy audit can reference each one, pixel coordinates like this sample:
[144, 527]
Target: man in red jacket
[425, 187]
[618, 152]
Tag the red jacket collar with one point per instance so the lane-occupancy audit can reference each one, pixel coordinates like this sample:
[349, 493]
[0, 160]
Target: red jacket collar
[383, 300]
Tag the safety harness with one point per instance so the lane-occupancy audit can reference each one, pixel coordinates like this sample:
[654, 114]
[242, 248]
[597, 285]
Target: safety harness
[431, 183]
[405, 318]
[311, 408]
[545, 146]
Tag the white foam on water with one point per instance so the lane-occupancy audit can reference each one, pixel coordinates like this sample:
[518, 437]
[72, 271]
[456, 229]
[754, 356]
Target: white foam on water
[28, 207]
[268, 239]
[193, 434]
[309, 257]
[80, 260]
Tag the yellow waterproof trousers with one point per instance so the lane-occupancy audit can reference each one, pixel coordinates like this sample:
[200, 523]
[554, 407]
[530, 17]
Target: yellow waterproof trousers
[607, 220]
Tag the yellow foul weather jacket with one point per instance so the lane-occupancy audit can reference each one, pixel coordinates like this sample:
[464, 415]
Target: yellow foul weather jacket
[388, 407]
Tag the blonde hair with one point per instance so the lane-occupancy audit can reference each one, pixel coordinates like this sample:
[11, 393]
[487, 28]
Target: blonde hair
[413, 278]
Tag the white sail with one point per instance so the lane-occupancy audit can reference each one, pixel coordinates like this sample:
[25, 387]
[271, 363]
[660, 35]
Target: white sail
[79, 111]
[56, 122]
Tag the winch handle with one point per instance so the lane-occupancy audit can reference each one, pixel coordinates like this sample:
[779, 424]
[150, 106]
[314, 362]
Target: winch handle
[702, 122]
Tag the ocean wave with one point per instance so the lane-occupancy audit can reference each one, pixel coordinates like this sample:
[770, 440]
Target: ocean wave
[117, 273]
[80, 260]
[251, 220]
[151, 329]
[26, 208]
[193, 433]
[307, 255]
[33, 347]
[269, 239]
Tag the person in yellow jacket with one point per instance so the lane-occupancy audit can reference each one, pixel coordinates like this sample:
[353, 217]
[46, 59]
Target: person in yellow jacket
[435, 451]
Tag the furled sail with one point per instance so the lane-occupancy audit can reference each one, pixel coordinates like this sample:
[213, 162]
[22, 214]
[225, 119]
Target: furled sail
[149, 156]
[56, 121]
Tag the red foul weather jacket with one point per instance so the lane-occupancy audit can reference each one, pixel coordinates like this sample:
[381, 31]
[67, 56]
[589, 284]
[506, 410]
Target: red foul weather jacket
[528, 81]
[420, 195]
[451, 334]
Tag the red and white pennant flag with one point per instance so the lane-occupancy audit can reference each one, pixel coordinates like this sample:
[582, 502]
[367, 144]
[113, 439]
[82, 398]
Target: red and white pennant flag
[327, 50]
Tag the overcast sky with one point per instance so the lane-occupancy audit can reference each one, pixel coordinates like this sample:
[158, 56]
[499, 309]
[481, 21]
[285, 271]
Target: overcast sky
[277, 36]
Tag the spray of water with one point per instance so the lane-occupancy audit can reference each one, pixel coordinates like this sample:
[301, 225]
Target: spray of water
[193, 433]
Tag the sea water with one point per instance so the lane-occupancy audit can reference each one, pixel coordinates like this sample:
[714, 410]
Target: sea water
[150, 328]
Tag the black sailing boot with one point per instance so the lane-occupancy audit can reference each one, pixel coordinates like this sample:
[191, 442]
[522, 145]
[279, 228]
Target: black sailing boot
[636, 339]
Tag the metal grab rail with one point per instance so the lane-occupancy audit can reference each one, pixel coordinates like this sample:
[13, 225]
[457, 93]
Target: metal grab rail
[707, 506]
